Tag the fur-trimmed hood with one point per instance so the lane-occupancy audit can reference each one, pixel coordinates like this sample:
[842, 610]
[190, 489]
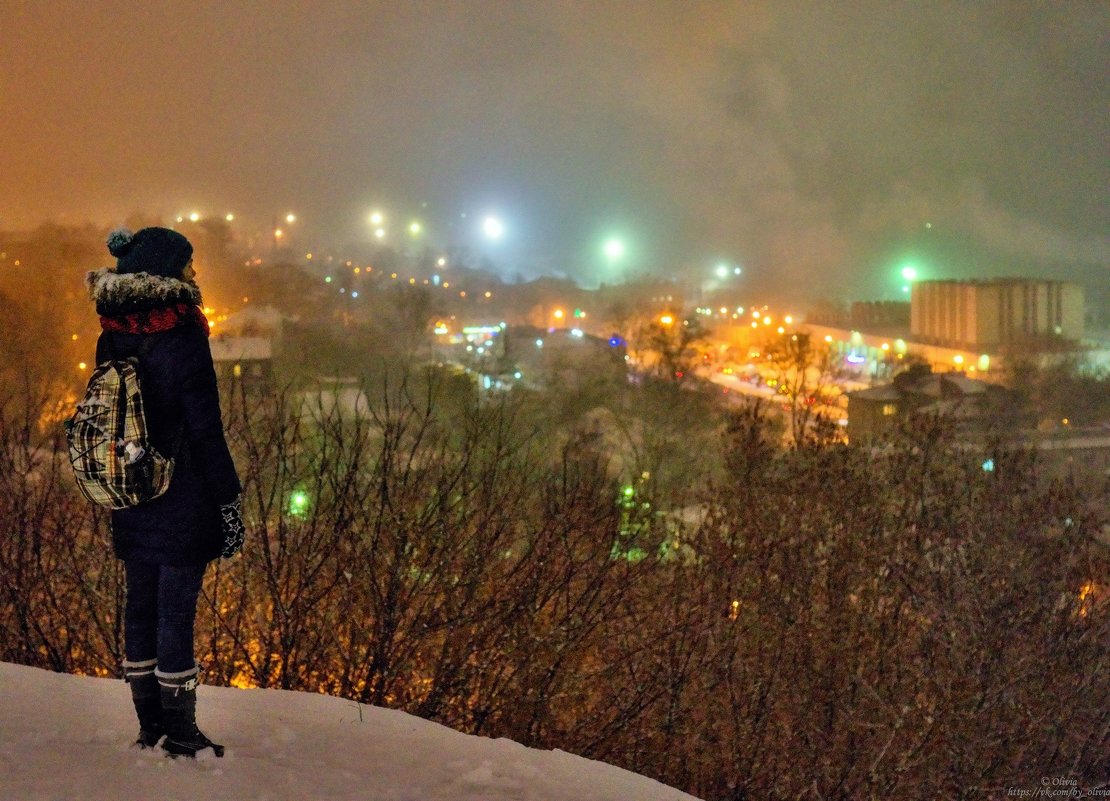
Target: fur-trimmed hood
[125, 293]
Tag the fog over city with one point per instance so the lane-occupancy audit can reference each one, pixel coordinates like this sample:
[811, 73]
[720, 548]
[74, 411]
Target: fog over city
[814, 144]
[572, 400]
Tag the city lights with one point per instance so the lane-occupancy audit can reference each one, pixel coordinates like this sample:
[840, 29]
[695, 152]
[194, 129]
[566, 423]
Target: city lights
[290, 218]
[376, 218]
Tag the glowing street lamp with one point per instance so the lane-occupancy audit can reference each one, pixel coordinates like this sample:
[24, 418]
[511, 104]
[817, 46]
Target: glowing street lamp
[493, 228]
[415, 228]
[229, 217]
[376, 218]
[666, 319]
[194, 217]
[613, 249]
[279, 232]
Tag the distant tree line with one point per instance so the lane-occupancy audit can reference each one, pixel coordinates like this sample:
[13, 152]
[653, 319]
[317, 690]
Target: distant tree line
[816, 622]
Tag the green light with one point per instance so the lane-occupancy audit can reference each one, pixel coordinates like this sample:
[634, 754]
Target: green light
[613, 249]
[298, 503]
[577, 312]
[629, 492]
[909, 272]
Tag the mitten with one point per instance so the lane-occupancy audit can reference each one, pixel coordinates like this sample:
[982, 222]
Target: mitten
[231, 521]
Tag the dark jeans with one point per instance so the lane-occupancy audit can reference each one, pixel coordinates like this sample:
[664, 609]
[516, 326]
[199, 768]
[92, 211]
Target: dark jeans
[159, 614]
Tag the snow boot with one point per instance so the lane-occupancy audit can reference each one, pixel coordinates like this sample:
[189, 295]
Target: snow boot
[148, 702]
[179, 716]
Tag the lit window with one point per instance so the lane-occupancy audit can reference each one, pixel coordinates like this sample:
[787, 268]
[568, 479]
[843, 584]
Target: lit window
[889, 409]
[237, 370]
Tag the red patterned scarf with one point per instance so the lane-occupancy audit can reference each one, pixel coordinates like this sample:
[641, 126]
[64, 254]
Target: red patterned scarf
[154, 320]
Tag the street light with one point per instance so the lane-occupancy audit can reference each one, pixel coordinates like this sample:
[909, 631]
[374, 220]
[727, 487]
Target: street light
[493, 228]
[279, 232]
[613, 248]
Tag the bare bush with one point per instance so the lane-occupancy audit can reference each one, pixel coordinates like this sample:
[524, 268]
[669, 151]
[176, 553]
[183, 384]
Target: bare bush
[833, 622]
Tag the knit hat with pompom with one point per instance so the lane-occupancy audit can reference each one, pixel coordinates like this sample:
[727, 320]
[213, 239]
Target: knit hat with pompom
[156, 251]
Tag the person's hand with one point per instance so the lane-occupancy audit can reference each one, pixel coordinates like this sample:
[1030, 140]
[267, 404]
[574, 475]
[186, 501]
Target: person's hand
[231, 521]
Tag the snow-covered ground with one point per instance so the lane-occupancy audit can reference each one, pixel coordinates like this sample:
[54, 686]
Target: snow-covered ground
[67, 737]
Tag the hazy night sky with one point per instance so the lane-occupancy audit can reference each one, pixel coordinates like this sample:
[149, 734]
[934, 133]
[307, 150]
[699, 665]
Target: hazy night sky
[809, 142]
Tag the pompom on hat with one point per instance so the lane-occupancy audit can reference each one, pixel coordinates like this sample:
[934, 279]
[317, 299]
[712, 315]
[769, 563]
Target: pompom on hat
[155, 251]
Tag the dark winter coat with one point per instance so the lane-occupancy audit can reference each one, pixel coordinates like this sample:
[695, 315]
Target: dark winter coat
[182, 406]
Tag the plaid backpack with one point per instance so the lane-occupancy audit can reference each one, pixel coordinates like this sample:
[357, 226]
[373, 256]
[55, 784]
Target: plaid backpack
[112, 458]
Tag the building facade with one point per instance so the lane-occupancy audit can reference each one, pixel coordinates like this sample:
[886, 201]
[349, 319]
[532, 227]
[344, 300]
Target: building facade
[991, 314]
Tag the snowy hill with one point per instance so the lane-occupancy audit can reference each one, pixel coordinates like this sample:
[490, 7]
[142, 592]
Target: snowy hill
[67, 737]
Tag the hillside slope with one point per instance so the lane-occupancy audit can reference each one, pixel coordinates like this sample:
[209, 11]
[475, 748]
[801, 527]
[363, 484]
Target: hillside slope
[67, 737]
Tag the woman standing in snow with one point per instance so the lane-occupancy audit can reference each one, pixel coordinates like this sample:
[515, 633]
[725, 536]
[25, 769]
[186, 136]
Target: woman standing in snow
[149, 307]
